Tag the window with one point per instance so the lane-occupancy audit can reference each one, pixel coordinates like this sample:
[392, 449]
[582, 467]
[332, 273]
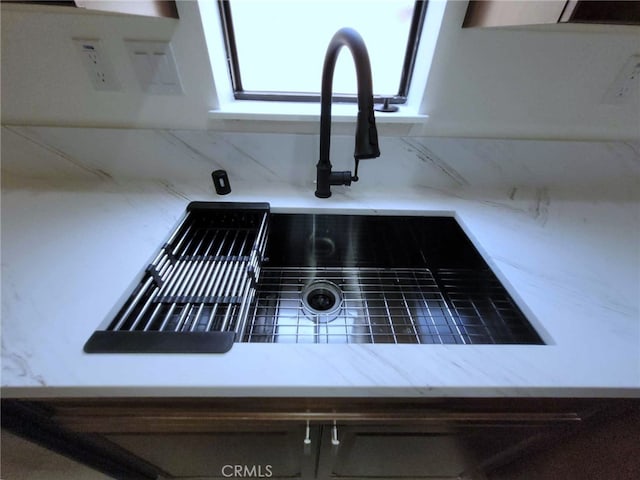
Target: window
[276, 48]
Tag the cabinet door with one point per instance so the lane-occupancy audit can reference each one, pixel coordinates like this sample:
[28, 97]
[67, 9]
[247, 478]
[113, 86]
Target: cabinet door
[498, 13]
[273, 452]
[412, 452]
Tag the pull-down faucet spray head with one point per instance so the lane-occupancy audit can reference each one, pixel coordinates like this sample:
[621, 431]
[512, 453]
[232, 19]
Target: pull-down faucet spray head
[366, 133]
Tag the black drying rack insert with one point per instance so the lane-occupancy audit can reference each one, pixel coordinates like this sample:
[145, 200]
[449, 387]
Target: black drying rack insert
[194, 296]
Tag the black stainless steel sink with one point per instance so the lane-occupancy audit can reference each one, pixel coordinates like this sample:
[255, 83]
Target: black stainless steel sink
[233, 272]
[379, 279]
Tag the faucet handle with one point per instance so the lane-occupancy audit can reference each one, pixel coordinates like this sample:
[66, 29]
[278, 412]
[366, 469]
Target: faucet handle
[354, 178]
[340, 178]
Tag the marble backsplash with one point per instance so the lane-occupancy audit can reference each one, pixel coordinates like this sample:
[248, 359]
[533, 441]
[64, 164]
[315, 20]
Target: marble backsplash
[591, 169]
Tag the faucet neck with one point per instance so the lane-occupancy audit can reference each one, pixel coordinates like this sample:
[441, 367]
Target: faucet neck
[366, 133]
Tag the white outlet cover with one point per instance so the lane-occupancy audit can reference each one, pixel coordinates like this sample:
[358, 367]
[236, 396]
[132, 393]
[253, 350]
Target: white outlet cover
[626, 86]
[155, 67]
[96, 64]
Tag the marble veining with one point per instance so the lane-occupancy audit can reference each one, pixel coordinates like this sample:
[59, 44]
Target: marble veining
[189, 156]
[190, 150]
[558, 221]
[424, 154]
[17, 366]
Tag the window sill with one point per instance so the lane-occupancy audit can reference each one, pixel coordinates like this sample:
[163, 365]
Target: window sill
[290, 117]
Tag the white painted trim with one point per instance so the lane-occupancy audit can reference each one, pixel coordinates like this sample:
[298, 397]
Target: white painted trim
[290, 117]
[298, 117]
[426, 50]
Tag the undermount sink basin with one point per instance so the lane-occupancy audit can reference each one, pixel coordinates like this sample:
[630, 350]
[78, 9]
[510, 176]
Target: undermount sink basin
[379, 279]
[235, 272]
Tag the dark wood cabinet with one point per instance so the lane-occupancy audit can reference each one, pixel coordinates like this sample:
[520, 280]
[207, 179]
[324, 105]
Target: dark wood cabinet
[300, 438]
[501, 13]
[392, 451]
[269, 451]
[147, 8]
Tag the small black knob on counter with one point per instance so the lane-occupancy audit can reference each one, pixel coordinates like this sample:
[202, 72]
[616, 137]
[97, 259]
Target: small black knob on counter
[221, 182]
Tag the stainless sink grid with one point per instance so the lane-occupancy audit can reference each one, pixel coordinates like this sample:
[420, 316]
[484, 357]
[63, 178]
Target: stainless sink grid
[379, 305]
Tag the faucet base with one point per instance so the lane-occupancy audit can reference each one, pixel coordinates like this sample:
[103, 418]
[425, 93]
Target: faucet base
[326, 178]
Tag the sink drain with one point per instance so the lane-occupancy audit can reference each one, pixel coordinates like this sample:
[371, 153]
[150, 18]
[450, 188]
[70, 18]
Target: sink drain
[321, 301]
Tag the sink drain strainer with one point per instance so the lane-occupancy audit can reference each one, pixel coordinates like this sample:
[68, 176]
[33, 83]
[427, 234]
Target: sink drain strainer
[321, 301]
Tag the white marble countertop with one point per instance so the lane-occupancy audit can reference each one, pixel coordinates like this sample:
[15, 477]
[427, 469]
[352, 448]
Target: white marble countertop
[71, 249]
[70, 253]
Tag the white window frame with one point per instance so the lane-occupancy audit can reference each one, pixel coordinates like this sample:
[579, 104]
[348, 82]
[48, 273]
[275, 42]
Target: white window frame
[302, 117]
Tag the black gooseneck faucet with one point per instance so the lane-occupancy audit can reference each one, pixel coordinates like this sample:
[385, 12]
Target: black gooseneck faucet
[366, 132]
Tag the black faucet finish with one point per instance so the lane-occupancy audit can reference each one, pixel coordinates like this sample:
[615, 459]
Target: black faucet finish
[366, 132]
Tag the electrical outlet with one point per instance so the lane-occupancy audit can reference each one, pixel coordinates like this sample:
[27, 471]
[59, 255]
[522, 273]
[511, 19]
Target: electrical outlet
[626, 86]
[96, 64]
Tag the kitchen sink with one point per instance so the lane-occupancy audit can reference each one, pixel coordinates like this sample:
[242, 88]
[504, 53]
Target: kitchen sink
[379, 279]
[233, 272]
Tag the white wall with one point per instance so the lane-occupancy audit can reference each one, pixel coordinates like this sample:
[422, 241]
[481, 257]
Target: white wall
[546, 81]
[44, 82]
[535, 82]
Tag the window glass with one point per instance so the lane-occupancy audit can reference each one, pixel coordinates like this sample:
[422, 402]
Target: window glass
[281, 44]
